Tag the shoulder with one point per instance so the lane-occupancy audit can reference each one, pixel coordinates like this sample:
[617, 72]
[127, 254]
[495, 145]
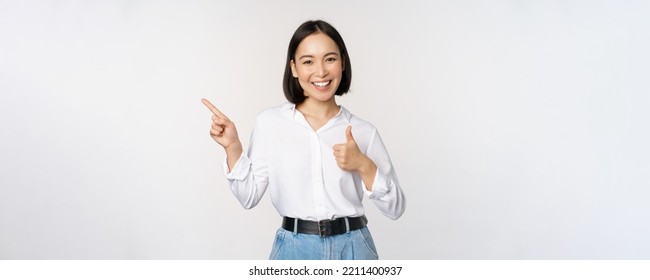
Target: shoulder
[275, 112]
[359, 126]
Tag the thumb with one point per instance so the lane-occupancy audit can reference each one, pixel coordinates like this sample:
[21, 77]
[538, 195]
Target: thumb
[348, 133]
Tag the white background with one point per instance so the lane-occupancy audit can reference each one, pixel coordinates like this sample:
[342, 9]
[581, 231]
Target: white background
[519, 129]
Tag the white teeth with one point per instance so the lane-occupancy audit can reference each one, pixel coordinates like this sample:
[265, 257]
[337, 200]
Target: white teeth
[321, 84]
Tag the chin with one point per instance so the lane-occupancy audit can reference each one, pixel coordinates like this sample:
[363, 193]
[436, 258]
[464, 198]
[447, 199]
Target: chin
[321, 97]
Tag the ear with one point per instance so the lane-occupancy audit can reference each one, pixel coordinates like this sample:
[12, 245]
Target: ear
[343, 63]
[294, 72]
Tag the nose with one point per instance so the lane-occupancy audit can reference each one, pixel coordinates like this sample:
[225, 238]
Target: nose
[321, 71]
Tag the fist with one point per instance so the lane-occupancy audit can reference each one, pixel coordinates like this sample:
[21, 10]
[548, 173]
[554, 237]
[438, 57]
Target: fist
[347, 155]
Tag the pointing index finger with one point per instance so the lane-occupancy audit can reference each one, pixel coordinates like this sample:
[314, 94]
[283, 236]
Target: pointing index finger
[212, 108]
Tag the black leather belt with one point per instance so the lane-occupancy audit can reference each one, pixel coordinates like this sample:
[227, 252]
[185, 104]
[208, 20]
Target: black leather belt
[324, 228]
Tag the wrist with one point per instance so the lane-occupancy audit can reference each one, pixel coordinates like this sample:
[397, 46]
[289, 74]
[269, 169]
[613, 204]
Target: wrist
[368, 171]
[233, 152]
[367, 167]
[234, 146]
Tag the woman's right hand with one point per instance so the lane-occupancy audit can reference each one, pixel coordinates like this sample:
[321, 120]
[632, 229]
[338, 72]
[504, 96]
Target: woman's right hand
[224, 132]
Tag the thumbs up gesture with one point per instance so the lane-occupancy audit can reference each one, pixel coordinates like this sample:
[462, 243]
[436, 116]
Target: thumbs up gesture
[347, 155]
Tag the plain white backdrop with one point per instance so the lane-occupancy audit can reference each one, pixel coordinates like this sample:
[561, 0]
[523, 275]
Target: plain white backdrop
[518, 129]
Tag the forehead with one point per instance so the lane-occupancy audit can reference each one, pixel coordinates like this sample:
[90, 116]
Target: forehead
[317, 44]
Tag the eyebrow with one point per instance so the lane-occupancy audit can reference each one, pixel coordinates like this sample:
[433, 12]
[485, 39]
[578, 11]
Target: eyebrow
[311, 56]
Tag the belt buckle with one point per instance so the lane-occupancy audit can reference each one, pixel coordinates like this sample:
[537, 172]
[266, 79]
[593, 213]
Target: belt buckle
[323, 230]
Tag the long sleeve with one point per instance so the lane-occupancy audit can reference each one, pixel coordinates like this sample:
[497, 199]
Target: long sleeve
[249, 178]
[386, 192]
[295, 164]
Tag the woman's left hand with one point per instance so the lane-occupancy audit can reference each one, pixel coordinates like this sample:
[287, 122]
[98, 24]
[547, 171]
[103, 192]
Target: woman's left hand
[347, 155]
[349, 158]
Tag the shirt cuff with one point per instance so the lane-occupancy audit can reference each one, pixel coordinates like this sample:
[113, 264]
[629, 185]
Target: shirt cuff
[240, 170]
[379, 187]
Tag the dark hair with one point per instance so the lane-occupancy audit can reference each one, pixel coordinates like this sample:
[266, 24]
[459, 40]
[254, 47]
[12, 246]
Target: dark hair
[292, 90]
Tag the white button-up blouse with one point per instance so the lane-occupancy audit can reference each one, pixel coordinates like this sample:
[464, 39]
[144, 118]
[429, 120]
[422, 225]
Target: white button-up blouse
[297, 166]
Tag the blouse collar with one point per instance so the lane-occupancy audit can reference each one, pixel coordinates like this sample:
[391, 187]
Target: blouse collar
[290, 109]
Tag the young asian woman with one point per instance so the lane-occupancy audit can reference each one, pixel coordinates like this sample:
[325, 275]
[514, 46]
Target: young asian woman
[316, 159]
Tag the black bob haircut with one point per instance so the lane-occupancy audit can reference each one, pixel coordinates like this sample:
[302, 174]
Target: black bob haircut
[292, 90]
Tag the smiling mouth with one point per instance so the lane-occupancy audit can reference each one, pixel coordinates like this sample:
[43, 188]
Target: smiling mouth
[322, 84]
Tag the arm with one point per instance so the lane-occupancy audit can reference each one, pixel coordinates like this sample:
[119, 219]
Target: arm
[386, 192]
[248, 177]
[376, 170]
[246, 173]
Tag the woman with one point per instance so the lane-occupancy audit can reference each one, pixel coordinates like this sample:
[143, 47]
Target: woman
[316, 159]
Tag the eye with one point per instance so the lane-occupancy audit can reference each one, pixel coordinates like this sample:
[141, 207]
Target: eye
[330, 59]
[307, 62]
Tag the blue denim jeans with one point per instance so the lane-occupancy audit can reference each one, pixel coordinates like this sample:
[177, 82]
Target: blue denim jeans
[354, 245]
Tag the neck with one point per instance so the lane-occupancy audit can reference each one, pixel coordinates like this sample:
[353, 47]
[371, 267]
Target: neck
[318, 109]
